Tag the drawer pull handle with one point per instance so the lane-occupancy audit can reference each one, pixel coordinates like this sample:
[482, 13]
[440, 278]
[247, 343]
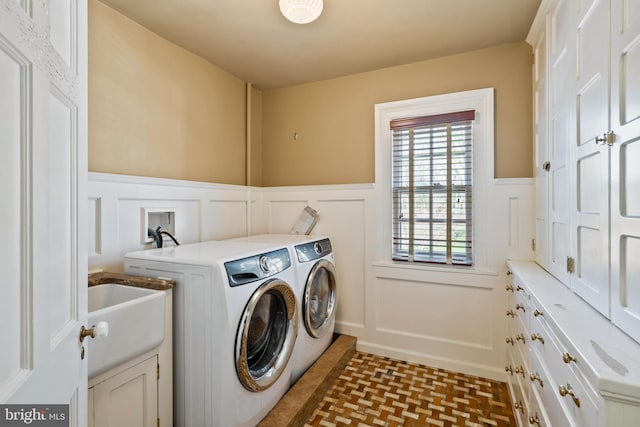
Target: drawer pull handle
[537, 337]
[509, 369]
[535, 377]
[509, 340]
[511, 313]
[519, 406]
[520, 370]
[519, 288]
[520, 307]
[534, 420]
[564, 391]
[567, 358]
[538, 313]
[520, 337]
[509, 273]
[509, 288]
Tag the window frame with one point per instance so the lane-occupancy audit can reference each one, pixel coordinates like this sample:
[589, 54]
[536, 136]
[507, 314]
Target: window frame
[480, 100]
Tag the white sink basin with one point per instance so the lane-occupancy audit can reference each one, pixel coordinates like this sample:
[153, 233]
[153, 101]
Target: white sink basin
[136, 324]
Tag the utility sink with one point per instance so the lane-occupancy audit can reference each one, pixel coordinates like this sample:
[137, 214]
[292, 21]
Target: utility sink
[136, 324]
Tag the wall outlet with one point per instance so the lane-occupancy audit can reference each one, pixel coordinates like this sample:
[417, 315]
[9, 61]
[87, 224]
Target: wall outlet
[154, 217]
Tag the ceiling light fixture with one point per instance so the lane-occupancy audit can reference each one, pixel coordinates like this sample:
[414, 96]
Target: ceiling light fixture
[301, 11]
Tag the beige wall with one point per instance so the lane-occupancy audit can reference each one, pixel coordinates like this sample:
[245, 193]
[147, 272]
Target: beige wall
[157, 110]
[334, 119]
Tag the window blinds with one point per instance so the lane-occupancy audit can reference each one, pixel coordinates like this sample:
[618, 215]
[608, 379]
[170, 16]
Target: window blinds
[432, 181]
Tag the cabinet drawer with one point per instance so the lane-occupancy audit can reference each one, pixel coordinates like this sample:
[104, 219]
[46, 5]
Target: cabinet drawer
[520, 339]
[521, 302]
[543, 388]
[537, 416]
[519, 391]
[569, 376]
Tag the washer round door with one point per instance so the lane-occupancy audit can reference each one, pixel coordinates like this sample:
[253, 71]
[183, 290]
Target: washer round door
[266, 335]
[319, 298]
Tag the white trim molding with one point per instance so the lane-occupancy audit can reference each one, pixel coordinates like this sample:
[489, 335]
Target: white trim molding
[480, 100]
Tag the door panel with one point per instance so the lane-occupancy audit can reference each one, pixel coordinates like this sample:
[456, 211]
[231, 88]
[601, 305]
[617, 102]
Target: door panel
[625, 174]
[61, 238]
[14, 341]
[590, 212]
[561, 79]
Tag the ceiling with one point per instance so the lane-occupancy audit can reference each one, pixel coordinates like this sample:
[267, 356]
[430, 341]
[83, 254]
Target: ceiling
[253, 41]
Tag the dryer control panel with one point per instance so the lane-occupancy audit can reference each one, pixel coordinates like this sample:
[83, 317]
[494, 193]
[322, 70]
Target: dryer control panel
[313, 250]
[257, 267]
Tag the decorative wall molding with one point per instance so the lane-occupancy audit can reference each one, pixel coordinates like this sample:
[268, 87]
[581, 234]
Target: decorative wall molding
[449, 318]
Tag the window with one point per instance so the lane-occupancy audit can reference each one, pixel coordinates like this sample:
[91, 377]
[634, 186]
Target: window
[460, 195]
[432, 183]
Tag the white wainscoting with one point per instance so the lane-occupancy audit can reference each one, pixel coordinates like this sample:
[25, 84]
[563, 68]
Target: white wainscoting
[447, 318]
[202, 212]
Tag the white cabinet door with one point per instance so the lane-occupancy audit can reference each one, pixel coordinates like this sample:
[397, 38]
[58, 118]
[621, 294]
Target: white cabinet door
[43, 176]
[541, 112]
[590, 230]
[625, 166]
[129, 398]
[561, 133]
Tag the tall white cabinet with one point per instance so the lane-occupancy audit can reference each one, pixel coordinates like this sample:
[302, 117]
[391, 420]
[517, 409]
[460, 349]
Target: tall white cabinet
[587, 154]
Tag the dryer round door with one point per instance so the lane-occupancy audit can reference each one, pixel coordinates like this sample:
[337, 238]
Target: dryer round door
[319, 299]
[266, 335]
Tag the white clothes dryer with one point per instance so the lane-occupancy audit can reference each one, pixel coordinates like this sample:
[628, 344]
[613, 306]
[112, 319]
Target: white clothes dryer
[235, 326]
[316, 292]
[316, 269]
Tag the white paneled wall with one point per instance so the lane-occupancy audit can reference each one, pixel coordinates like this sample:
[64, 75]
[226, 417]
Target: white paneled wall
[443, 317]
[202, 212]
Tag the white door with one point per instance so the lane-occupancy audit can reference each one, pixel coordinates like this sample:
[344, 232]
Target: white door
[590, 233]
[43, 176]
[625, 167]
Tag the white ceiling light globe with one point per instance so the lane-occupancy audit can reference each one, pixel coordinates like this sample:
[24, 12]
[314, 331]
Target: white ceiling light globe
[301, 11]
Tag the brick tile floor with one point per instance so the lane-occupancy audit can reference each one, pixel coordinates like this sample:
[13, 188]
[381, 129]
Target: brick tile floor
[378, 391]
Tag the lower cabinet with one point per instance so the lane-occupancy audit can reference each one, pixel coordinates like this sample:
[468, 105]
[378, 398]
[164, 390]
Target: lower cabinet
[128, 398]
[567, 364]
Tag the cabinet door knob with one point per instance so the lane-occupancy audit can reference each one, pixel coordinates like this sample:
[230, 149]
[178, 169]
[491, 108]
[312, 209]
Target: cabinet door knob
[546, 166]
[607, 138]
[566, 390]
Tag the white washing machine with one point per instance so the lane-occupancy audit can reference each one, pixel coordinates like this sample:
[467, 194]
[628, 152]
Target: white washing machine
[316, 293]
[235, 326]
